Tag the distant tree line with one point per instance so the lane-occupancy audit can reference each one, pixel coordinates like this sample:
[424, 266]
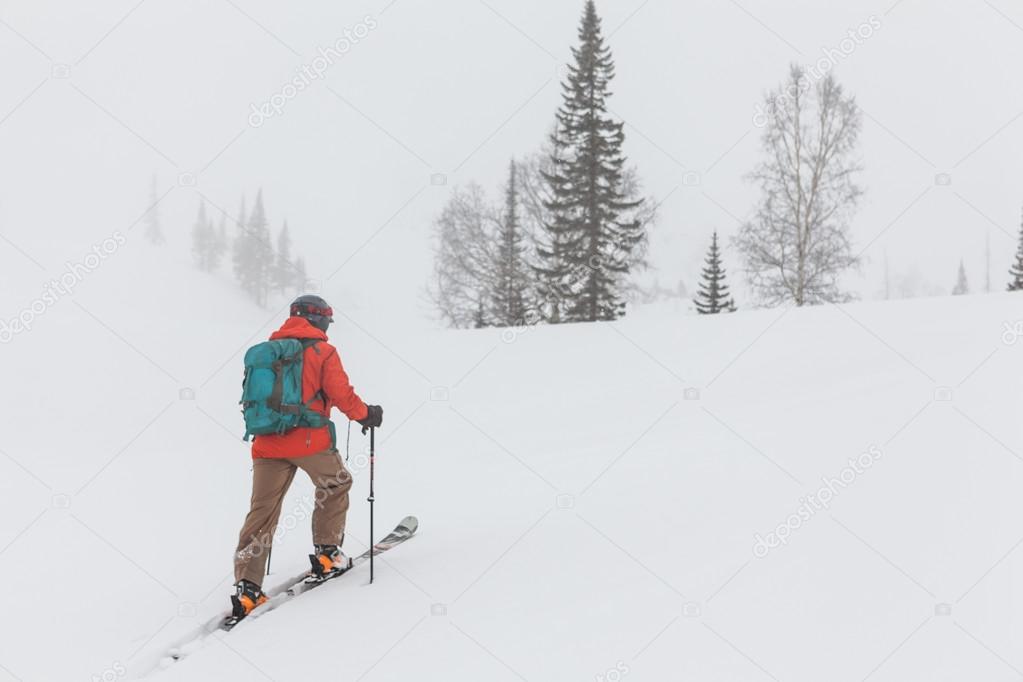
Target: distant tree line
[573, 225]
[261, 265]
[962, 285]
[572, 228]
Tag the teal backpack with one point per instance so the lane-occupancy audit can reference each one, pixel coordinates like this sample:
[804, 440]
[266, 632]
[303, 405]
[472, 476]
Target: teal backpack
[272, 389]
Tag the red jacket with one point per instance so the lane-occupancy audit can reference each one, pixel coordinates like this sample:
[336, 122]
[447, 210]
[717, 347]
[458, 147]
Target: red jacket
[321, 370]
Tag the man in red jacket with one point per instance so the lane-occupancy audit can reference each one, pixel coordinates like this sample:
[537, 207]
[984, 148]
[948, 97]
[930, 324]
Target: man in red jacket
[276, 457]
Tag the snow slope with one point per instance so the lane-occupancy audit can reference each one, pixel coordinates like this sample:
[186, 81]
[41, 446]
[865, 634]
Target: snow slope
[588, 495]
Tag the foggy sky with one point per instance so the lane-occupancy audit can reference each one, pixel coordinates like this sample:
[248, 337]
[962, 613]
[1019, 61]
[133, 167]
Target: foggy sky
[97, 99]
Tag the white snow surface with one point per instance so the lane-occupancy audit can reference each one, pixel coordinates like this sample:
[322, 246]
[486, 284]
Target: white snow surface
[588, 495]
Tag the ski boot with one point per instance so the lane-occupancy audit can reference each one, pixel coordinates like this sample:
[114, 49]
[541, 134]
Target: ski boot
[328, 561]
[247, 598]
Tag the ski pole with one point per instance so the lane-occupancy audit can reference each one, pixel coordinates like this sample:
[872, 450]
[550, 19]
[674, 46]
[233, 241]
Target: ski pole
[370, 499]
[269, 552]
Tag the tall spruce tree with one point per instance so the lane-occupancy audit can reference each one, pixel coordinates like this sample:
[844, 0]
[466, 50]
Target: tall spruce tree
[713, 296]
[284, 270]
[511, 280]
[557, 239]
[240, 247]
[301, 278]
[1016, 271]
[259, 268]
[203, 240]
[593, 235]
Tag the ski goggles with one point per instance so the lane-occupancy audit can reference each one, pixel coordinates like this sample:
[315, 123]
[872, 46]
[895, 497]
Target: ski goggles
[307, 309]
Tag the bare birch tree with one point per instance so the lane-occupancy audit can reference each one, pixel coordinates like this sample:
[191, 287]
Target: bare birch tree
[463, 258]
[797, 244]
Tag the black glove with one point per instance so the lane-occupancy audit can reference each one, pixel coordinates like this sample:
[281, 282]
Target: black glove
[374, 418]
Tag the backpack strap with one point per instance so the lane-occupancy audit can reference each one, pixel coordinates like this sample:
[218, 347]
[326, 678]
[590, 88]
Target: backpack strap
[312, 343]
[276, 394]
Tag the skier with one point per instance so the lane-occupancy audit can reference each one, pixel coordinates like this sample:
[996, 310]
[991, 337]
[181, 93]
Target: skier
[275, 457]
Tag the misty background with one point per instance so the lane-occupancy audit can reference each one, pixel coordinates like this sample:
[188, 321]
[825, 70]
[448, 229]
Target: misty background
[99, 99]
[591, 495]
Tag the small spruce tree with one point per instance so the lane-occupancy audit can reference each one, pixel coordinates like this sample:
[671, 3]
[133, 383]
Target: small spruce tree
[479, 320]
[1017, 268]
[713, 296]
[202, 240]
[962, 286]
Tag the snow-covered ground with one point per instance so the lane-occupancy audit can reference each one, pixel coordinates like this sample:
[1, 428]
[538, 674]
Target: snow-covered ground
[590, 497]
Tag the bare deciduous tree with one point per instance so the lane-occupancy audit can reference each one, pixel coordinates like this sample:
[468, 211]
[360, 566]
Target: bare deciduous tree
[471, 284]
[797, 244]
[534, 194]
[463, 255]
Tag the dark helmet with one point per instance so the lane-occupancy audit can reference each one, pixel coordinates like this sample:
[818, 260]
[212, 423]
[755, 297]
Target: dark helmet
[315, 309]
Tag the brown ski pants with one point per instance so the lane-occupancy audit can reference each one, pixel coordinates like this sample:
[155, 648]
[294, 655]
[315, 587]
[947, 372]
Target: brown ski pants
[271, 479]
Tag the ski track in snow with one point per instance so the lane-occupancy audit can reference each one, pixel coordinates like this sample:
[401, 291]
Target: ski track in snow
[592, 493]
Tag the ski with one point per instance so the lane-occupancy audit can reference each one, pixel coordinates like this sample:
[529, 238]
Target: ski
[188, 643]
[403, 531]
